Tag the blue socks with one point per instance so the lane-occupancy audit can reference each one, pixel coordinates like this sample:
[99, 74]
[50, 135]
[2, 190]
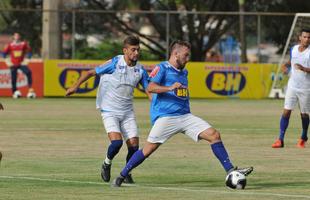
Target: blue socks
[136, 159]
[131, 151]
[305, 125]
[283, 126]
[114, 148]
[221, 154]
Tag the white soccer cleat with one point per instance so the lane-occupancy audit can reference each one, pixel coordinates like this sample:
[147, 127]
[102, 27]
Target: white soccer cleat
[17, 94]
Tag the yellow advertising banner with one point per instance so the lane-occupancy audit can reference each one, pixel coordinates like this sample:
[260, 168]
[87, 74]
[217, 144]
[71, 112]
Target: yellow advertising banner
[206, 80]
[220, 80]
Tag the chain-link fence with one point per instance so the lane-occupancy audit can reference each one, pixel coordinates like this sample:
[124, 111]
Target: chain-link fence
[95, 34]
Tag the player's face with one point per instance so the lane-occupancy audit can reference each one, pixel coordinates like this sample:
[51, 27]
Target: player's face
[16, 37]
[182, 56]
[304, 39]
[132, 52]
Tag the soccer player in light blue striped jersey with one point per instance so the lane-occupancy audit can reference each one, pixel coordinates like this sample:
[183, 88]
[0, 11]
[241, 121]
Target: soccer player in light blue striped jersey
[118, 78]
[298, 89]
[170, 113]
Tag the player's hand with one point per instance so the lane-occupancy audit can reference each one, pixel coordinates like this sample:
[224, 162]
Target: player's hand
[299, 66]
[175, 85]
[70, 91]
[8, 63]
[25, 62]
[285, 68]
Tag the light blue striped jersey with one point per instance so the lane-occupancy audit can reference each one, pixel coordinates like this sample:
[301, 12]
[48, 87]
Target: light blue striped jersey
[117, 83]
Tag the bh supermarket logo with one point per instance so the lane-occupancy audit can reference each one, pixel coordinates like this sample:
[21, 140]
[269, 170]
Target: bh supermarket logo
[70, 76]
[226, 83]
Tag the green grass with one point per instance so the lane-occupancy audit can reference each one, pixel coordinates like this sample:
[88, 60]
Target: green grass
[53, 149]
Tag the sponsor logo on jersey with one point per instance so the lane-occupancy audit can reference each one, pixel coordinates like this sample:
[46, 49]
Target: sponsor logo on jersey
[226, 83]
[181, 92]
[70, 76]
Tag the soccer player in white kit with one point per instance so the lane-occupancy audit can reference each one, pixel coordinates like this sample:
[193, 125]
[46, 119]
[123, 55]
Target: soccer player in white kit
[170, 113]
[118, 78]
[298, 89]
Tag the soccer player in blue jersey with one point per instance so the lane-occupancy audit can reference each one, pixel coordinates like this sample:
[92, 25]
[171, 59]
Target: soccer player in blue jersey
[170, 113]
[118, 78]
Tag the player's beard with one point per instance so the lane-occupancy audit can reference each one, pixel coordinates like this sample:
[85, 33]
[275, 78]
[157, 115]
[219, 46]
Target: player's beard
[181, 65]
[134, 61]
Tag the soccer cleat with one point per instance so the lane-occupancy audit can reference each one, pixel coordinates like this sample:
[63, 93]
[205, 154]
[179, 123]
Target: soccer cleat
[245, 171]
[128, 179]
[301, 143]
[17, 94]
[106, 172]
[118, 181]
[31, 94]
[278, 144]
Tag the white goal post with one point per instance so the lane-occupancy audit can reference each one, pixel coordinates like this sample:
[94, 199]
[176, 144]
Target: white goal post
[301, 21]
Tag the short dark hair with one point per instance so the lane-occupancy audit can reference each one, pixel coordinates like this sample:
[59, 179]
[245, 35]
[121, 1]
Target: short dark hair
[304, 30]
[131, 40]
[176, 44]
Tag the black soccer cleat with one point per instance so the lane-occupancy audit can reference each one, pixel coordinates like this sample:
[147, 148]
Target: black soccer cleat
[245, 171]
[106, 172]
[118, 181]
[128, 179]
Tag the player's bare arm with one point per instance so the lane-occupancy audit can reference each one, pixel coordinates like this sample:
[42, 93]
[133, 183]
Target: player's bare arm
[1, 106]
[82, 79]
[302, 68]
[155, 88]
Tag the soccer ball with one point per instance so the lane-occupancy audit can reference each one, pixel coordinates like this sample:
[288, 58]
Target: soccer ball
[235, 180]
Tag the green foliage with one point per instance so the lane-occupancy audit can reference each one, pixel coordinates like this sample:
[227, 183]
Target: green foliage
[108, 49]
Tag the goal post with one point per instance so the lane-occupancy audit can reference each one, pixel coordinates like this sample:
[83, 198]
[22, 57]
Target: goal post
[278, 88]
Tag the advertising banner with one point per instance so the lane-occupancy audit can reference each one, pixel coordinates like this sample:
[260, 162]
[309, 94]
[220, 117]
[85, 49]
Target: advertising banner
[22, 82]
[206, 80]
[219, 80]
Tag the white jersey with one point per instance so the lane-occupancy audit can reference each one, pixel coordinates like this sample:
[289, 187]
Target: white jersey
[299, 79]
[117, 83]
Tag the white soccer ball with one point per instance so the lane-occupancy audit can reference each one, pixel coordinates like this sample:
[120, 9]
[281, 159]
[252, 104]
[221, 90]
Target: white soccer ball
[235, 180]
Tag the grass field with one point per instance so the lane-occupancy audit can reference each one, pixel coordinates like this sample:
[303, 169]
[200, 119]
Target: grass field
[53, 149]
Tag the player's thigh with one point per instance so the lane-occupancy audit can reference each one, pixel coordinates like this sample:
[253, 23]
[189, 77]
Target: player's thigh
[291, 99]
[193, 126]
[304, 101]
[128, 126]
[111, 122]
[25, 69]
[164, 128]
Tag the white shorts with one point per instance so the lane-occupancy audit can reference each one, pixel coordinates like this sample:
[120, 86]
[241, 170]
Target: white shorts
[121, 123]
[166, 127]
[294, 96]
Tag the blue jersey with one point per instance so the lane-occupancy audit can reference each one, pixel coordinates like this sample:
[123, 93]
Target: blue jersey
[172, 103]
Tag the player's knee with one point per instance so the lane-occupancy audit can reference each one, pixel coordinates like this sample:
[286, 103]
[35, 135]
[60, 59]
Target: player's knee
[211, 135]
[216, 136]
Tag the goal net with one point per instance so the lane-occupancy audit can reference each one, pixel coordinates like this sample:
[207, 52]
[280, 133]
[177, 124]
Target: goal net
[301, 21]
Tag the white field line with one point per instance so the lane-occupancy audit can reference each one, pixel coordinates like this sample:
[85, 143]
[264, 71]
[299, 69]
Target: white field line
[154, 187]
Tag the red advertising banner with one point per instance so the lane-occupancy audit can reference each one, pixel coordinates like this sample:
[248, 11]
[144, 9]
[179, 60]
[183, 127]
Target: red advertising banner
[22, 84]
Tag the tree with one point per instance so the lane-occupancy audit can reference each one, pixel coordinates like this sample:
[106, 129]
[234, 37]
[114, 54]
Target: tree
[189, 26]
